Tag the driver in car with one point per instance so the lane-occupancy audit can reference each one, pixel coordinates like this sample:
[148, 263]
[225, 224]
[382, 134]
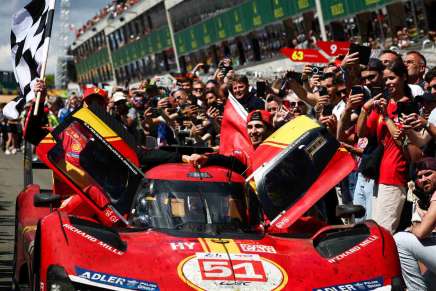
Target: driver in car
[259, 127]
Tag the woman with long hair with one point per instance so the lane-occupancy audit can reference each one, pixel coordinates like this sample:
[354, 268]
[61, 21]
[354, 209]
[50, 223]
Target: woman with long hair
[380, 119]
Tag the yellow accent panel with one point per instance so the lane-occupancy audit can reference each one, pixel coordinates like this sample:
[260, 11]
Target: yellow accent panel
[203, 245]
[89, 117]
[217, 245]
[291, 131]
[48, 139]
[285, 275]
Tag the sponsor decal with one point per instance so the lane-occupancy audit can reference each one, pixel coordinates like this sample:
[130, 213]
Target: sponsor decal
[354, 249]
[92, 239]
[251, 248]
[209, 271]
[110, 214]
[176, 246]
[356, 286]
[116, 281]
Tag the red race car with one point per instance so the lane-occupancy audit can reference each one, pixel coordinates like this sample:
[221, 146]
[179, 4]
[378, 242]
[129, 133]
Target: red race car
[180, 228]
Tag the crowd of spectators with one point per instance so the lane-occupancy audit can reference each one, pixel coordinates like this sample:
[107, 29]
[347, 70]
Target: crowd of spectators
[383, 112]
[112, 10]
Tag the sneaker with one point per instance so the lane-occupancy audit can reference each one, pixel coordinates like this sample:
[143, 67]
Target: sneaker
[7, 152]
[14, 151]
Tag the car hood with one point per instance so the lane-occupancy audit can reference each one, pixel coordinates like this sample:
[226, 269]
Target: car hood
[156, 260]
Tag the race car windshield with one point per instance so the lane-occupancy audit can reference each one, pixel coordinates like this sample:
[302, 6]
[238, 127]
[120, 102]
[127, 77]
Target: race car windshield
[190, 206]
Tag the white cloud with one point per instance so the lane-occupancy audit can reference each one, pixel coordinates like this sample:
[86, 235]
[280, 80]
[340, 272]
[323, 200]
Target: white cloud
[5, 58]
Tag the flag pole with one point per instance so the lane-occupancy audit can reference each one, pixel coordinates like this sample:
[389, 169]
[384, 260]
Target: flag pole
[50, 17]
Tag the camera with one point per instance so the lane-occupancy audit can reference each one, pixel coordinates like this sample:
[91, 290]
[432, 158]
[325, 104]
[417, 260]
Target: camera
[316, 70]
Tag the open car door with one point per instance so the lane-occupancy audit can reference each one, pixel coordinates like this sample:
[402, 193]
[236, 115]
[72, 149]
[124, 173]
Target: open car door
[96, 163]
[295, 167]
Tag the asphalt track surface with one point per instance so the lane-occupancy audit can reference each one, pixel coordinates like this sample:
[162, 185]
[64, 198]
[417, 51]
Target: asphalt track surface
[11, 183]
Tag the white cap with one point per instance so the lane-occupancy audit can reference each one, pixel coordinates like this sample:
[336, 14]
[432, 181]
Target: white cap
[118, 96]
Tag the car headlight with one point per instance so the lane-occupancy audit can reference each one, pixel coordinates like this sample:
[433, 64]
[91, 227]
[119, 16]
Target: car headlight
[57, 279]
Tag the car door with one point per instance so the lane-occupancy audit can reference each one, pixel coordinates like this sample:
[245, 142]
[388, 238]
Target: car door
[295, 167]
[84, 156]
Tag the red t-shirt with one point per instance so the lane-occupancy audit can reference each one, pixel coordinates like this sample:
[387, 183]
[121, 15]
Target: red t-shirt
[393, 166]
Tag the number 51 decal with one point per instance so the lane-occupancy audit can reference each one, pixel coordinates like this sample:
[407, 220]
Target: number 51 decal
[243, 270]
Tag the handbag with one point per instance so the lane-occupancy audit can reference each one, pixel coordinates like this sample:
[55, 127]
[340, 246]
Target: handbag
[370, 163]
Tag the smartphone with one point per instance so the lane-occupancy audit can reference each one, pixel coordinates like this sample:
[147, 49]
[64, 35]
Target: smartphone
[327, 110]
[295, 76]
[219, 107]
[376, 91]
[407, 108]
[323, 91]
[261, 88]
[364, 53]
[356, 90]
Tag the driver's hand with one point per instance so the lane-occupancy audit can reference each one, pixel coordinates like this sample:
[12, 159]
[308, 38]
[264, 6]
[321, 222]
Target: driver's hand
[197, 160]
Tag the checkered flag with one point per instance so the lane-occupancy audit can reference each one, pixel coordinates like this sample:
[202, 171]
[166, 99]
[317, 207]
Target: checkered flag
[30, 38]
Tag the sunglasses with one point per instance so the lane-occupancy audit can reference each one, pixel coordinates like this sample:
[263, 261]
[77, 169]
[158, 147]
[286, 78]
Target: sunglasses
[198, 89]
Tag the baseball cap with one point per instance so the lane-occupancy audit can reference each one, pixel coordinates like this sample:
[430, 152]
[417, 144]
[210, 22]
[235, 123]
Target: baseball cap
[260, 115]
[94, 91]
[118, 96]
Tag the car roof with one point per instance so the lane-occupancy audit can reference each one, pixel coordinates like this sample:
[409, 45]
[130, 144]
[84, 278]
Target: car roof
[186, 172]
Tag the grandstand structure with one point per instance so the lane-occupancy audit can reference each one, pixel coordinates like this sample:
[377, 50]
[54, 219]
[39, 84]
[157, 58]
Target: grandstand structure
[61, 77]
[130, 40]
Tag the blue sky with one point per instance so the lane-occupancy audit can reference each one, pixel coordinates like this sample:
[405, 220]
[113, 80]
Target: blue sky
[81, 11]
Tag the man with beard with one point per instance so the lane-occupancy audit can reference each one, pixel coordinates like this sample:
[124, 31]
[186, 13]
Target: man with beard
[418, 244]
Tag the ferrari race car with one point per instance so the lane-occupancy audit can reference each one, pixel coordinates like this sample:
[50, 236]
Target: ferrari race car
[108, 226]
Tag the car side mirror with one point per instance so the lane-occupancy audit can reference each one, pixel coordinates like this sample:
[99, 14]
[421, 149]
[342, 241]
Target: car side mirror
[45, 200]
[350, 211]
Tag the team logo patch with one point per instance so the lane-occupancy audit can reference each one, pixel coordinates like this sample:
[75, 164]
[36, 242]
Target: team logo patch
[212, 271]
[88, 277]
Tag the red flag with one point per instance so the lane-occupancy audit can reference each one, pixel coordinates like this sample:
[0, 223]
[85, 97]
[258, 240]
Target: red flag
[303, 55]
[234, 140]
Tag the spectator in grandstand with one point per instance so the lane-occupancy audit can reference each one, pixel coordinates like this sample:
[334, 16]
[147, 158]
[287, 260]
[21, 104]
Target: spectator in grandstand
[418, 244]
